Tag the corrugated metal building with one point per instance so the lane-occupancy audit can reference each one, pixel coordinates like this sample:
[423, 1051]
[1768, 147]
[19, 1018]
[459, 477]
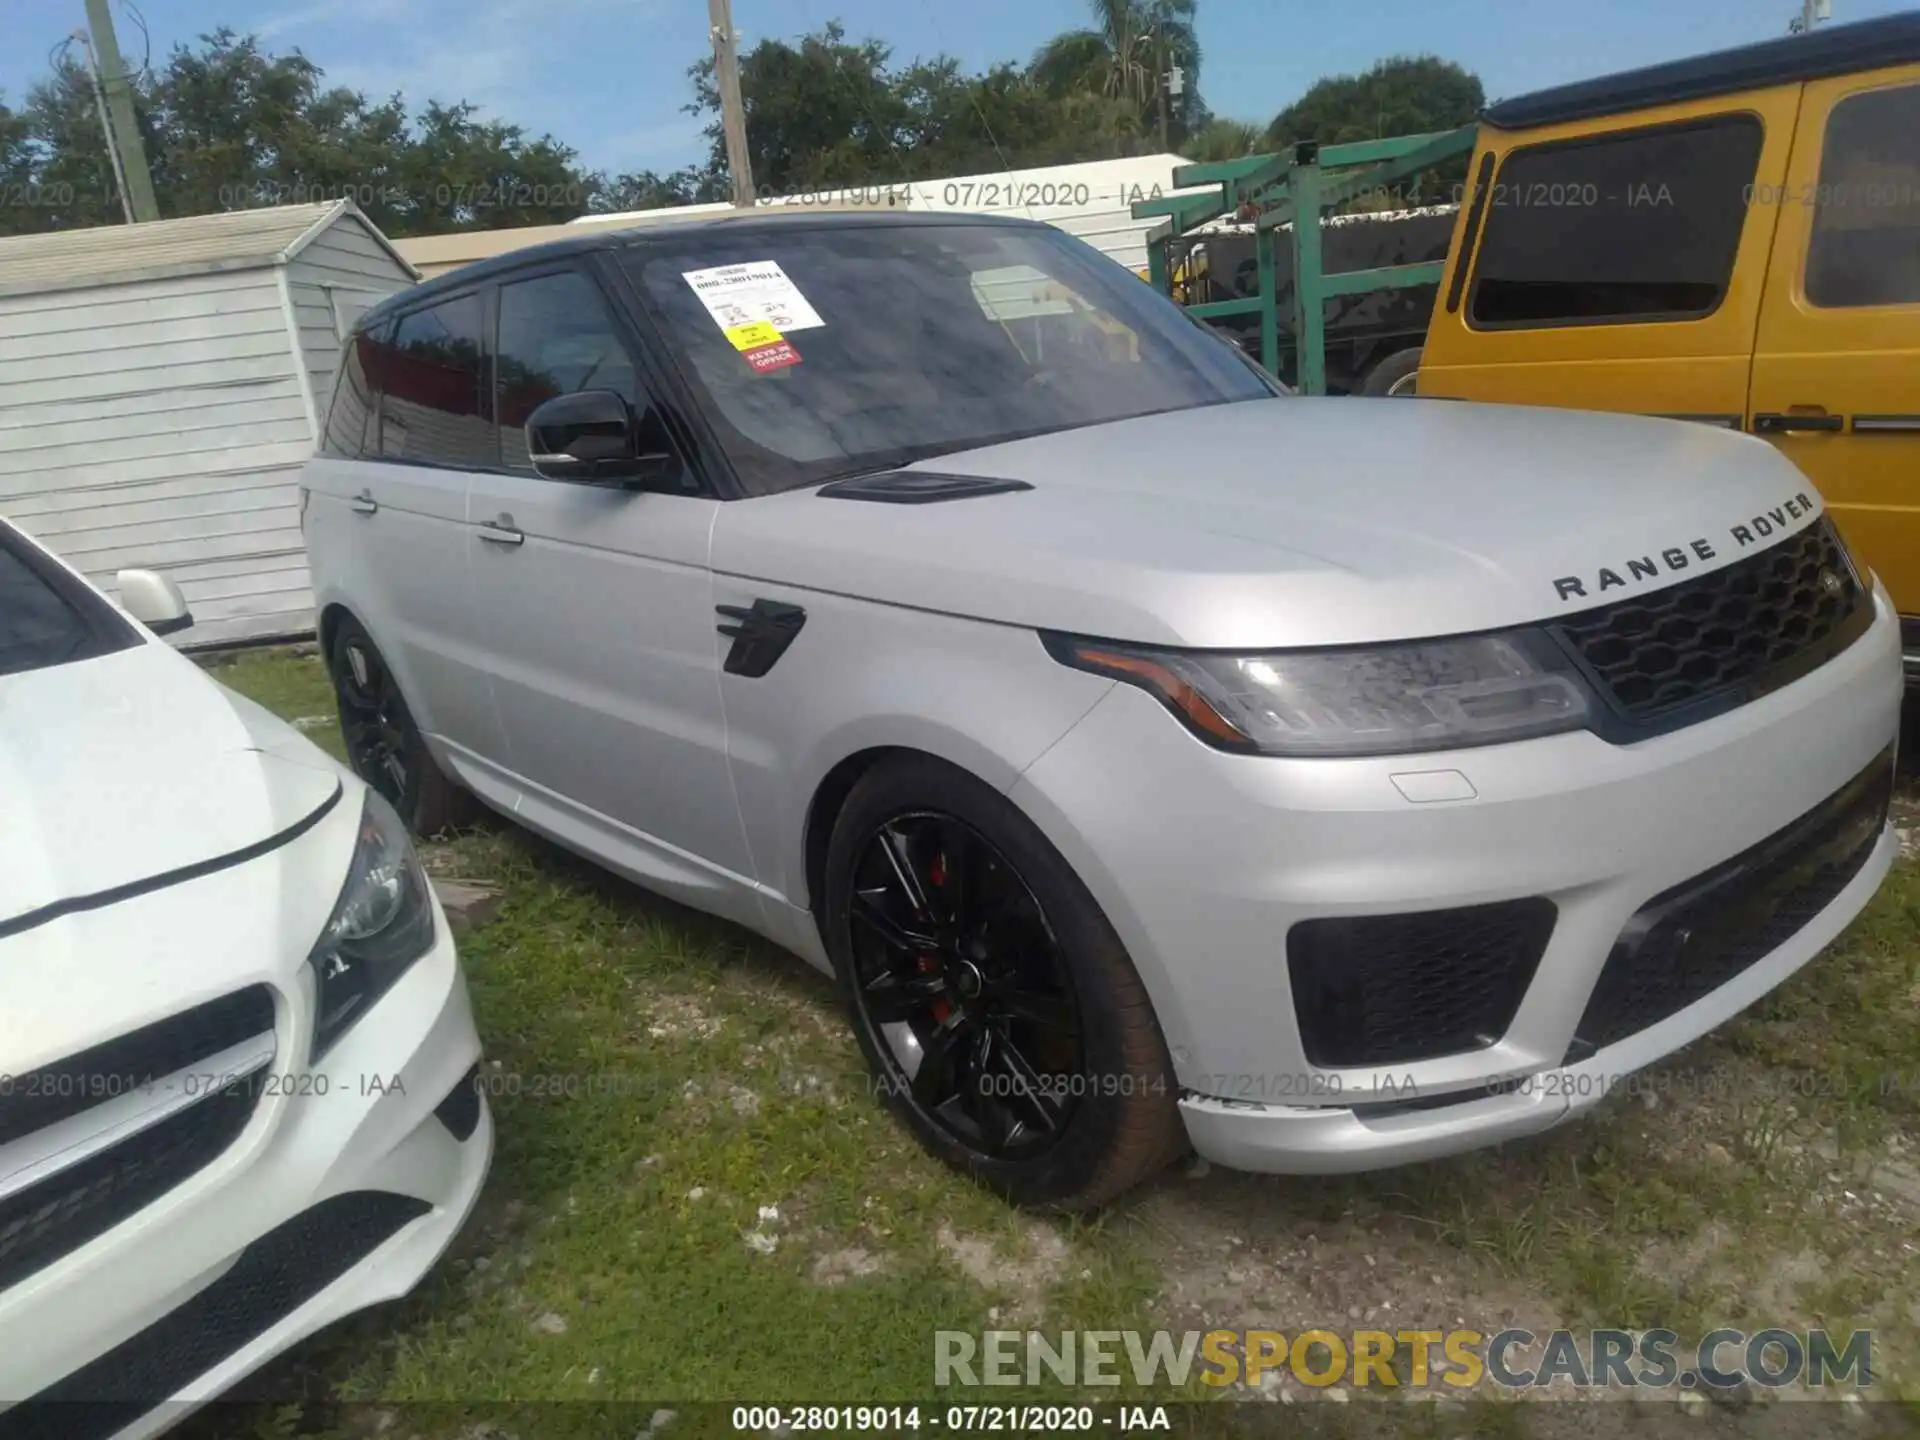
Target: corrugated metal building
[161, 385]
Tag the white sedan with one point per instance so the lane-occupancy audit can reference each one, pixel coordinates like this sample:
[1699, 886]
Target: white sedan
[235, 1042]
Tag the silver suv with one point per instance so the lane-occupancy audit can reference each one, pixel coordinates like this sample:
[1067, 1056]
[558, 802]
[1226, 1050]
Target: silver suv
[1156, 758]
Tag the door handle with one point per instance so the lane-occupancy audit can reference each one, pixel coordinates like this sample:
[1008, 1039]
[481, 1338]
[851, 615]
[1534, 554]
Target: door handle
[1773, 422]
[364, 503]
[501, 531]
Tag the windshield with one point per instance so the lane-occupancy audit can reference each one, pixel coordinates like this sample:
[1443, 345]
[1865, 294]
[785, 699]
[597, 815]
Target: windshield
[45, 617]
[826, 351]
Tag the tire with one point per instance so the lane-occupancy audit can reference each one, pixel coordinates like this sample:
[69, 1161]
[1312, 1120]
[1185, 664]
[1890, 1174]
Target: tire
[1398, 374]
[384, 746]
[1009, 940]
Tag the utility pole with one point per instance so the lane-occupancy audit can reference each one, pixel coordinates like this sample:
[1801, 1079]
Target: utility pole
[1160, 80]
[733, 114]
[106, 125]
[123, 130]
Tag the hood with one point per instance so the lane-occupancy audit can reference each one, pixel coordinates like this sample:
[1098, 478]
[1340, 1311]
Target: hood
[1296, 522]
[135, 765]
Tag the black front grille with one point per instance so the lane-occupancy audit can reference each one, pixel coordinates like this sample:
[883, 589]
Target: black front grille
[84, 1200]
[273, 1277]
[1729, 636]
[127, 1062]
[1379, 989]
[1689, 941]
[72, 1206]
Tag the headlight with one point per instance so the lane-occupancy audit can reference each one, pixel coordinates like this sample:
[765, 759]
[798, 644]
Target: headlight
[382, 923]
[1372, 700]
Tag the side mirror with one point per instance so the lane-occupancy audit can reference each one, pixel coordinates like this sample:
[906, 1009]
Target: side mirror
[154, 600]
[594, 438]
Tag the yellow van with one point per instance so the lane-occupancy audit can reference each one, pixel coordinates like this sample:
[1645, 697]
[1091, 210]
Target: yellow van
[1732, 240]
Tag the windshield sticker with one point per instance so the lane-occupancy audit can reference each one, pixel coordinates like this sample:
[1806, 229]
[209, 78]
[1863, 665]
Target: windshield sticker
[754, 336]
[737, 296]
[777, 356]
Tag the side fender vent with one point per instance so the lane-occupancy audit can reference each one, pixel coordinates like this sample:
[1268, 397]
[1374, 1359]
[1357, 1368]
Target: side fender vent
[761, 633]
[918, 487]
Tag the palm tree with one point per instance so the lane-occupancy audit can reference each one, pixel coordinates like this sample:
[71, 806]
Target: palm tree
[1120, 55]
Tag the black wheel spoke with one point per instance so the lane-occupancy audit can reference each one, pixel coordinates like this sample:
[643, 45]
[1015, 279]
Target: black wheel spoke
[933, 1081]
[868, 910]
[1025, 1085]
[982, 1101]
[892, 998]
[958, 858]
[900, 858]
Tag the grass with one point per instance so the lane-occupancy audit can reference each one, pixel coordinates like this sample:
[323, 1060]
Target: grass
[659, 1077]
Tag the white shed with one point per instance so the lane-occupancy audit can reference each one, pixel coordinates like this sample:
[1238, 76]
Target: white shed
[161, 385]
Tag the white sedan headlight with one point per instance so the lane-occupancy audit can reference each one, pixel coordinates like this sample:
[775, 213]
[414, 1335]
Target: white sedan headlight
[382, 923]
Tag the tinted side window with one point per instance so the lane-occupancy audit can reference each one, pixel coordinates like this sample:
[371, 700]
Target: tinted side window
[432, 406]
[556, 338]
[1866, 221]
[1642, 225]
[346, 429]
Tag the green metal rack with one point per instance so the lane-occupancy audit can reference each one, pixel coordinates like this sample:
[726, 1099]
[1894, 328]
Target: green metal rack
[1300, 187]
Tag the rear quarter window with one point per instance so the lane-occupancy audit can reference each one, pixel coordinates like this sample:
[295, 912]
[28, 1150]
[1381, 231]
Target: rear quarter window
[1640, 225]
[1865, 248]
[345, 434]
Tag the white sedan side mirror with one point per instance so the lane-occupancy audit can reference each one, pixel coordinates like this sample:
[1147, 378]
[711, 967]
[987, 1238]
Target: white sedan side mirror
[154, 600]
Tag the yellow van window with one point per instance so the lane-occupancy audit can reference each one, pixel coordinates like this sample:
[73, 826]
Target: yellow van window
[1866, 219]
[1637, 225]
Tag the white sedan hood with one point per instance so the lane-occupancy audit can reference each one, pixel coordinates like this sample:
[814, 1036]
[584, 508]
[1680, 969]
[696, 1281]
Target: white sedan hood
[1296, 522]
[128, 768]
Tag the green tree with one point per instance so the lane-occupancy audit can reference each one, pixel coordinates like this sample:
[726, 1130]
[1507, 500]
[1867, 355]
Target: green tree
[1399, 96]
[822, 112]
[1122, 56]
[825, 112]
[650, 190]
[228, 125]
[1224, 139]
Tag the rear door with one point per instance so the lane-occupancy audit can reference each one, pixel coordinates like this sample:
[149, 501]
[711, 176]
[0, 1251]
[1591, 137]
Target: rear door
[1617, 264]
[1836, 373]
[386, 522]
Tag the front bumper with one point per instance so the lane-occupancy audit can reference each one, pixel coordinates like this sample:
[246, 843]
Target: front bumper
[1205, 861]
[341, 1191]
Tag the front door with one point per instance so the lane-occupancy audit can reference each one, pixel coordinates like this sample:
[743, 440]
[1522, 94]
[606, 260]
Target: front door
[1836, 373]
[596, 606]
[1619, 264]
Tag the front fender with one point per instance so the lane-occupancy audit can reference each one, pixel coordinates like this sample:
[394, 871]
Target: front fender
[862, 676]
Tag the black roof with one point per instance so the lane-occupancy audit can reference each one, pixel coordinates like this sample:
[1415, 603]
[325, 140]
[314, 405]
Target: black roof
[1833, 50]
[747, 222]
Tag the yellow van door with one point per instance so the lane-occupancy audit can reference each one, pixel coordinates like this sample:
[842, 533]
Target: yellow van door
[1836, 372]
[1618, 263]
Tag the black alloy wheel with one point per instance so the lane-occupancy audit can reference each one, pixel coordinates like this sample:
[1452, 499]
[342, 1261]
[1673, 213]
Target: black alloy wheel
[374, 719]
[1003, 1020]
[384, 746]
[958, 970]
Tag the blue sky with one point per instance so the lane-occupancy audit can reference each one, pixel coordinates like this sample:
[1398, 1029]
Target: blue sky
[608, 76]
